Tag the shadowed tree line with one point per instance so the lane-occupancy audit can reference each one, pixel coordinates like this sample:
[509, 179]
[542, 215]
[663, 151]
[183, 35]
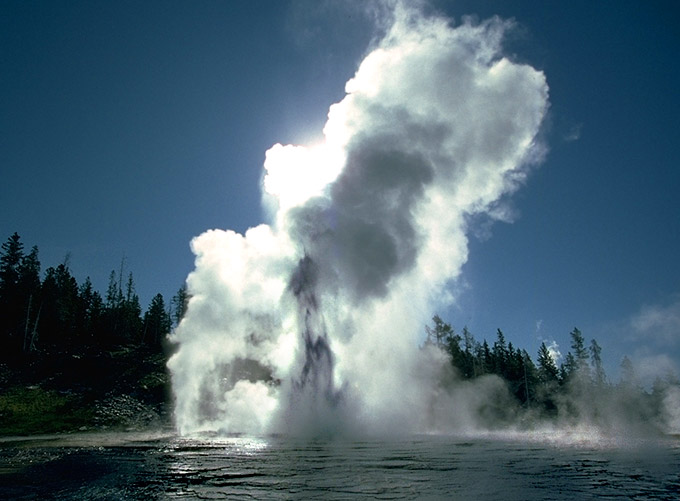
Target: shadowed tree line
[67, 336]
[52, 313]
[578, 390]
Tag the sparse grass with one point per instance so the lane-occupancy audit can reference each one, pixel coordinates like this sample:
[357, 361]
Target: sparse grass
[66, 391]
[33, 410]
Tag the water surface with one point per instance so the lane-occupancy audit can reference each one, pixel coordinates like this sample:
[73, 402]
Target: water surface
[163, 466]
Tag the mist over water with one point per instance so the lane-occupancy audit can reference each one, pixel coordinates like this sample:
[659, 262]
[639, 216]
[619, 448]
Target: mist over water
[311, 324]
[125, 466]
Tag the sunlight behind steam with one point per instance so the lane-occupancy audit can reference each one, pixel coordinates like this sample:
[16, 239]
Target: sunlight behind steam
[294, 174]
[311, 324]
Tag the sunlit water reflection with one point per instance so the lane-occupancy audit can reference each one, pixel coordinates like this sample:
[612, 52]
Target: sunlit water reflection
[162, 466]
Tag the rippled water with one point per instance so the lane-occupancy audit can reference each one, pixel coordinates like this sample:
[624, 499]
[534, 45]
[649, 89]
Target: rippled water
[137, 466]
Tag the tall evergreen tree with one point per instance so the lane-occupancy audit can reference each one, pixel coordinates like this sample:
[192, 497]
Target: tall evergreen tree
[130, 289]
[90, 312]
[180, 302]
[499, 354]
[487, 357]
[12, 307]
[549, 378]
[547, 369]
[513, 365]
[596, 361]
[113, 292]
[123, 312]
[579, 350]
[568, 368]
[531, 379]
[440, 333]
[10, 264]
[29, 273]
[157, 322]
[479, 361]
[59, 306]
[131, 313]
[470, 369]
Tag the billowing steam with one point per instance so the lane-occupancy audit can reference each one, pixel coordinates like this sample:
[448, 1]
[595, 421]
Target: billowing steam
[312, 323]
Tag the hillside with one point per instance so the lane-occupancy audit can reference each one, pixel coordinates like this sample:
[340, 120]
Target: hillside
[123, 388]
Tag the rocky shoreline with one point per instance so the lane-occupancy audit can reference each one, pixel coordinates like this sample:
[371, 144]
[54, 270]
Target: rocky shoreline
[124, 389]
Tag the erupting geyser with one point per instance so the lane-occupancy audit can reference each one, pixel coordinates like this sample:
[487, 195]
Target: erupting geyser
[311, 323]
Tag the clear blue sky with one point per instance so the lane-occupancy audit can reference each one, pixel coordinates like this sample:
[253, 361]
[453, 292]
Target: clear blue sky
[127, 128]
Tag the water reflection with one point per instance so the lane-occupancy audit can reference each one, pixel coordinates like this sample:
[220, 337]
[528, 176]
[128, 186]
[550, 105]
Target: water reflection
[148, 466]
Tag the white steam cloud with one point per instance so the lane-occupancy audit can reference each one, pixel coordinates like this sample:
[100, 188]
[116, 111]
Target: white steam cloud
[311, 323]
[657, 324]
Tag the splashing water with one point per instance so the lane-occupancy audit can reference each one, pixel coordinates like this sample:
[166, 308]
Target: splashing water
[311, 324]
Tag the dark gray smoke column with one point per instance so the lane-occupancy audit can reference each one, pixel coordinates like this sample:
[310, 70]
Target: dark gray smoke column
[315, 401]
[317, 369]
[368, 233]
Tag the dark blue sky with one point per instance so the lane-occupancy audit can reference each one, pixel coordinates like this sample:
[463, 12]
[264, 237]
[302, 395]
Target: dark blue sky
[127, 128]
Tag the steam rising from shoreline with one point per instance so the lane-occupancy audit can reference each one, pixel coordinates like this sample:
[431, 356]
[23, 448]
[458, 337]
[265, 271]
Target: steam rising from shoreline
[311, 324]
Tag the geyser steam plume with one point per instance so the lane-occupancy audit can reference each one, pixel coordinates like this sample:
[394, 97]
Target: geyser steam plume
[312, 323]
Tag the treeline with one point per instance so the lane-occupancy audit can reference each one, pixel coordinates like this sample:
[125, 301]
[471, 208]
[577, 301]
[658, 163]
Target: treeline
[53, 313]
[576, 389]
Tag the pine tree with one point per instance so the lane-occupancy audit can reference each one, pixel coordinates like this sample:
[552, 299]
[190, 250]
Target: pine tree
[530, 378]
[131, 313]
[10, 264]
[568, 369]
[513, 366]
[596, 361]
[90, 312]
[59, 304]
[487, 356]
[575, 368]
[549, 377]
[479, 360]
[157, 322]
[440, 333]
[180, 302]
[130, 289]
[547, 369]
[580, 351]
[123, 311]
[499, 354]
[29, 273]
[113, 294]
[469, 344]
[12, 307]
